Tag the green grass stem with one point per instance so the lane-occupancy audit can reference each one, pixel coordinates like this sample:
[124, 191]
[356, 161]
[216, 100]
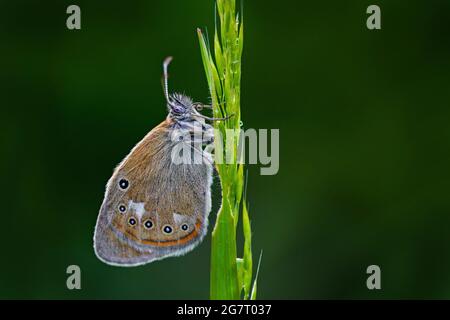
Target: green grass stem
[230, 276]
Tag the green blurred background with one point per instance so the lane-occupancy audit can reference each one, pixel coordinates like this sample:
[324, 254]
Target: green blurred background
[364, 124]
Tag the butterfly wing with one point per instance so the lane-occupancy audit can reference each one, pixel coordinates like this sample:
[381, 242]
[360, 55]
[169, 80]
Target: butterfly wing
[153, 208]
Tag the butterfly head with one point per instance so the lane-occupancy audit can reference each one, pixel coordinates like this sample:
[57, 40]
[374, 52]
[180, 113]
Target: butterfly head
[181, 107]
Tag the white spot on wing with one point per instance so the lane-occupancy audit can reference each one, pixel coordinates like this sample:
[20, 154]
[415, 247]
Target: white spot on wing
[138, 208]
[178, 218]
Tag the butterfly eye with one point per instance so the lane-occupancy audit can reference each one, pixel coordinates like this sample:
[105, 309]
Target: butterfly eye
[167, 229]
[198, 107]
[148, 224]
[122, 208]
[177, 109]
[184, 227]
[123, 184]
[132, 221]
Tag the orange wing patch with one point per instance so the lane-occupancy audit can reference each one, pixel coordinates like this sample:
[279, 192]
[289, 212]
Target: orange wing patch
[167, 243]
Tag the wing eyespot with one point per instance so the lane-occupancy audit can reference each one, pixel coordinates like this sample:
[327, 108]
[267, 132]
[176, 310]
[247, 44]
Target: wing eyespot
[132, 221]
[122, 208]
[167, 229]
[123, 184]
[148, 224]
[184, 227]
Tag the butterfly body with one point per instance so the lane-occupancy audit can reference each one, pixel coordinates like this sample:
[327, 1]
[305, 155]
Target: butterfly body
[154, 207]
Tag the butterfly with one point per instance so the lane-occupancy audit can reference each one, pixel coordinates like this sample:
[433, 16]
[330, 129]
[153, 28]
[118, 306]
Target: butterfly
[155, 207]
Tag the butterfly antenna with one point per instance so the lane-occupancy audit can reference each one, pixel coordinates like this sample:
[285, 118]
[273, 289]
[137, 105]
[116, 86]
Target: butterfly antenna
[166, 77]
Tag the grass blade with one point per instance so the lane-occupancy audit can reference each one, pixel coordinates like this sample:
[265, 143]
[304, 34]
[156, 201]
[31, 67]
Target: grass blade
[230, 275]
